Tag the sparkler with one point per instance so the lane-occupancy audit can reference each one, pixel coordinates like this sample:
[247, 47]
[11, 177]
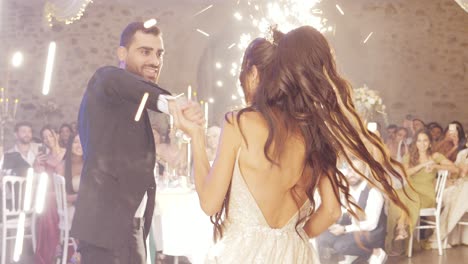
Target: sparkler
[368, 36]
[141, 107]
[41, 192]
[203, 32]
[203, 10]
[339, 9]
[49, 68]
[286, 14]
[19, 237]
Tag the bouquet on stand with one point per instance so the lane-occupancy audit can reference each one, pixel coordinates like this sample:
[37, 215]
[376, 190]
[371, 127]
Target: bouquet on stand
[369, 104]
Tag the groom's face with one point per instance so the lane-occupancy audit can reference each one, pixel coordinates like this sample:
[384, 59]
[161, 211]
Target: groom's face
[144, 56]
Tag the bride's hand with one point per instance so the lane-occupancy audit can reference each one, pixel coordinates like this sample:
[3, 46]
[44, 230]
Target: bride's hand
[192, 111]
[182, 122]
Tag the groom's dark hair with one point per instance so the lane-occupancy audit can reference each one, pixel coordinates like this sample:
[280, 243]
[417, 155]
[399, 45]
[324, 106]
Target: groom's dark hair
[126, 37]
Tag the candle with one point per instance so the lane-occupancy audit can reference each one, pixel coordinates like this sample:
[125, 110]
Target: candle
[206, 115]
[15, 108]
[189, 156]
[6, 106]
[2, 90]
[189, 92]
[171, 122]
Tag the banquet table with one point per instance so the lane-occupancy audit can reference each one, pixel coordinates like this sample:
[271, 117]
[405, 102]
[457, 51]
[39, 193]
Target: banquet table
[180, 228]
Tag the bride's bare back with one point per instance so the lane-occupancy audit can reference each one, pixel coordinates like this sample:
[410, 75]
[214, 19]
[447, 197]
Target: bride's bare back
[269, 184]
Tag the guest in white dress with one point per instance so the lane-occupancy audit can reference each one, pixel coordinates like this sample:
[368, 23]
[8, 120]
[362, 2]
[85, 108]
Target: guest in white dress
[455, 206]
[274, 154]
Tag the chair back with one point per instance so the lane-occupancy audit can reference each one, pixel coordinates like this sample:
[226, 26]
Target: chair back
[61, 198]
[440, 187]
[13, 189]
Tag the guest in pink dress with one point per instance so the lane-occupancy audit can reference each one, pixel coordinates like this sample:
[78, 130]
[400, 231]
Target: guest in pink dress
[47, 222]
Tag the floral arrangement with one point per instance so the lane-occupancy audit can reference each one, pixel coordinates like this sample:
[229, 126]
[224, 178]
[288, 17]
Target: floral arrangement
[368, 103]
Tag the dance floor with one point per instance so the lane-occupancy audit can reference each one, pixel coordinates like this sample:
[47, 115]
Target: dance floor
[454, 255]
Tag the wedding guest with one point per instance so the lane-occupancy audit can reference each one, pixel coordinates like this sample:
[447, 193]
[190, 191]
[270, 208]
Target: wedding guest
[418, 124]
[71, 168]
[462, 162]
[363, 237]
[21, 157]
[390, 134]
[422, 164]
[436, 131]
[399, 146]
[65, 132]
[455, 193]
[74, 127]
[408, 124]
[47, 232]
[169, 154]
[454, 141]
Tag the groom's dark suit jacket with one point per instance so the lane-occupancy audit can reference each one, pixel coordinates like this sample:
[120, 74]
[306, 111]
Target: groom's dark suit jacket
[119, 157]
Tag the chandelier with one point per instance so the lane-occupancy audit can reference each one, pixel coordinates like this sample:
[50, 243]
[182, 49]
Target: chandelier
[66, 11]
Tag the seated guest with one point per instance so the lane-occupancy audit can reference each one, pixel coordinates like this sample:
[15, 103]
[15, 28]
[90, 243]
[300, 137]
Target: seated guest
[454, 207]
[422, 164]
[47, 232]
[70, 168]
[462, 162]
[399, 145]
[390, 134]
[18, 159]
[436, 131]
[74, 126]
[454, 141]
[65, 133]
[171, 157]
[418, 124]
[363, 237]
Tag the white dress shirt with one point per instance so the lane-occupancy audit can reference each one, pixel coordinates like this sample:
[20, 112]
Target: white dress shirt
[375, 202]
[30, 155]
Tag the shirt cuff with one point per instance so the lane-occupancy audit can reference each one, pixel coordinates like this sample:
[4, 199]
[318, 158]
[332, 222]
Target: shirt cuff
[351, 228]
[163, 105]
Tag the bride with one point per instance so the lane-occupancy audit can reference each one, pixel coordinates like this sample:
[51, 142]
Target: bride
[274, 154]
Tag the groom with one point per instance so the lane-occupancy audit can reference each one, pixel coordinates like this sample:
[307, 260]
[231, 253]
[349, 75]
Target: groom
[117, 190]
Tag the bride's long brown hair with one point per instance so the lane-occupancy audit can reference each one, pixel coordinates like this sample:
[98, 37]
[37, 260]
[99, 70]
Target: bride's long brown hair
[302, 91]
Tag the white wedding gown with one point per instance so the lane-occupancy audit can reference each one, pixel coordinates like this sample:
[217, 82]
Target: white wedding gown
[247, 237]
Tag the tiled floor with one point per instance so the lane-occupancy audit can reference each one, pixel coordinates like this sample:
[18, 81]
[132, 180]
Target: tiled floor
[456, 255]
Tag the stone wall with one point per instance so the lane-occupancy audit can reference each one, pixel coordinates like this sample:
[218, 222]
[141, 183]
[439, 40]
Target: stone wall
[417, 57]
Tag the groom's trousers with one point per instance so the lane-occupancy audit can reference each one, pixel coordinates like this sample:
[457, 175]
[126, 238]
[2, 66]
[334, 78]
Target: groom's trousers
[132, 252]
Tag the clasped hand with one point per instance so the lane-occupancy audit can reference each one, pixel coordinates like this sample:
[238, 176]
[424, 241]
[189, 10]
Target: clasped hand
[188, 116]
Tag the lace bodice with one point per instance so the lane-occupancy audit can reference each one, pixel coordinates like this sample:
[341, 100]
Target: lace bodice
[247, 237]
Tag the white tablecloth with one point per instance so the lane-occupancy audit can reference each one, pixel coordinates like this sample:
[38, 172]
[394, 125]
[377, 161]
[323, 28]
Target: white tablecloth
[185, 229]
